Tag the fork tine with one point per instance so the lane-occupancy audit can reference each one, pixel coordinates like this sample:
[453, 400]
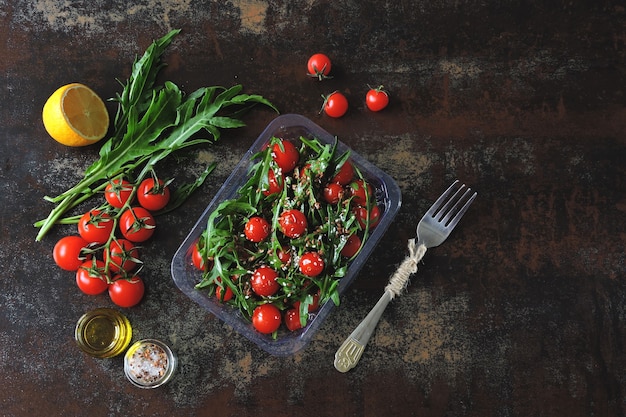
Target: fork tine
[453, 222]
[435, 208]
[450, 206]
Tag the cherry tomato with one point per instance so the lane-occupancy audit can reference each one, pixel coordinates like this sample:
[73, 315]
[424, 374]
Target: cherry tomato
[345, 174]
[333, 193]
[96, 226]
[275, 183]
[335, 105]
[314, 305]
[352, 246]
[117, 192]
[292, 223]
[264, 282]
[376, 99]
[266, 318]
[91, 277]
[361, 192]
[197, 259]
[311, 264]
[286, 156]
[122, 255]
[153, 195]
[257, 229]
[292, 319]
[319, 66]
[362, 215]
[137, 224]
[126, 292]
[69, 252]
[284, 256]
[228, 293]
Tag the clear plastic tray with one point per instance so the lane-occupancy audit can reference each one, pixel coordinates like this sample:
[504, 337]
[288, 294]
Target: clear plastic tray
[186, 276]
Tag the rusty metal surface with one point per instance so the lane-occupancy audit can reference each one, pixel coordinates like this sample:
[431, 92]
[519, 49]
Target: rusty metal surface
[522, 312]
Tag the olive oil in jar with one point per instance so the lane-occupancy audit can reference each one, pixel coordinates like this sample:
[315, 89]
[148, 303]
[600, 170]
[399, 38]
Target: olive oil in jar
[103, 333]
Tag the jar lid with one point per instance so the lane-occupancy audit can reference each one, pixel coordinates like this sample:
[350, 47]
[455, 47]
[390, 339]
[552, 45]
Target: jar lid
[103, 333]
[149, 363]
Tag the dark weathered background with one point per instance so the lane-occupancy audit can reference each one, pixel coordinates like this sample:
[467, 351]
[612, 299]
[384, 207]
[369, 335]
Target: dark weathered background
[521, 313]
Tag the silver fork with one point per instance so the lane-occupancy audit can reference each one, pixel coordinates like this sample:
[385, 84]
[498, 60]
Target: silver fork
[432, 230]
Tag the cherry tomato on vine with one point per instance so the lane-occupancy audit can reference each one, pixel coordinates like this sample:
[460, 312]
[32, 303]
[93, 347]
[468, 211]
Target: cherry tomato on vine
[69, 252]
[292, 223]
[126, 292]
[153, 195]
[266, 318]
[137, 224]
[96, 226]
[91, 277]
[122, 255]
[311, 264]
[264, 282]
[362, 215]
[335, 104]
[319, 66]
[286, 155]
[117, 192]
[292, 319]
[256, 229]
[333, 193]
[345, 174]
[376, 99]
[352, 246]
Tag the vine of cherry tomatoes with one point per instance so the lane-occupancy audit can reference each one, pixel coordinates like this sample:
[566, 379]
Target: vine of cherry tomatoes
[104, 254]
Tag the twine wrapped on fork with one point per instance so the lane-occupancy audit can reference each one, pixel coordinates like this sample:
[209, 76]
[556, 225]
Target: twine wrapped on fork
[400, 279]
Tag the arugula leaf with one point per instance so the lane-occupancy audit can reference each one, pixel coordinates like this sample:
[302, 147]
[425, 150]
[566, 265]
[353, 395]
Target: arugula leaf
[152, 122]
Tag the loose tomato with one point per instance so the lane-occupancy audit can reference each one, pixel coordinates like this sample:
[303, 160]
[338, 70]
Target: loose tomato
[284, 255]
[351, 247]
[361, 193]
[153, 195]
[311, 264]
[91, 277]
[376, 99]
[264, 281]
[126, 292]
[333, 193]
[122, 255]
[256, 229]
[345, 174]
[137, 224]
[286, 156]
[335, 105]
[292, 223]
[362, 215]
[266, 318]
[292, 319]
[96, 226]
[319, 66]
[69, 252]
[117, 192]
[275, 183]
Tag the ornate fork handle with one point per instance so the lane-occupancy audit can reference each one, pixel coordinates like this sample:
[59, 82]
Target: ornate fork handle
[349, 353]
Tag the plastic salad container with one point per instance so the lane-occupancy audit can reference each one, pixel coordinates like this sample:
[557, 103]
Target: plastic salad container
[186, 275]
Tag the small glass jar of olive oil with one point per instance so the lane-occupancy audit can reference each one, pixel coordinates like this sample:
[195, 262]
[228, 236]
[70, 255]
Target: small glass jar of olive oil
[103, 333]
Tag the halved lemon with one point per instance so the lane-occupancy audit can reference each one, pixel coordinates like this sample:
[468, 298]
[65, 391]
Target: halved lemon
[75, 115]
